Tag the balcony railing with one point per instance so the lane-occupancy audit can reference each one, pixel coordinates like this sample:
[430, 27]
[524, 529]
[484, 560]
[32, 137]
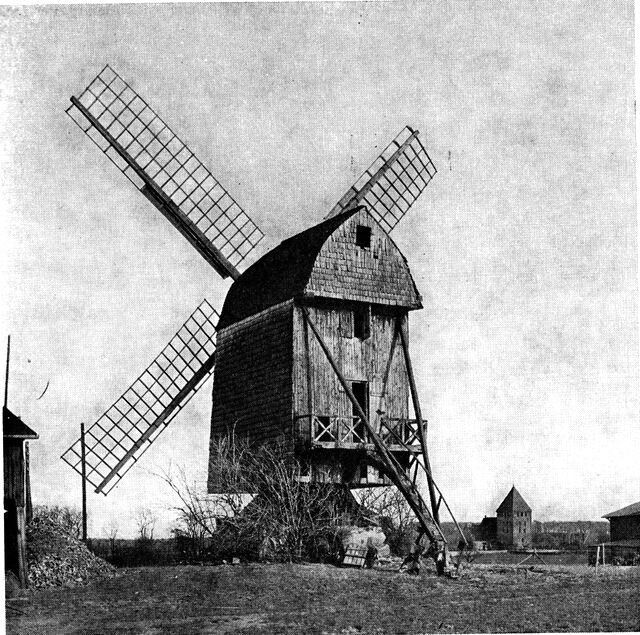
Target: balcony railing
[333, 431]
[395, 431]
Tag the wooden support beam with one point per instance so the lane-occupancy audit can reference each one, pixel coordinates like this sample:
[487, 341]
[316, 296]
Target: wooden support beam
[418, 413]
[384, 456]
[83, 458]
[309, 369]
[423, 438]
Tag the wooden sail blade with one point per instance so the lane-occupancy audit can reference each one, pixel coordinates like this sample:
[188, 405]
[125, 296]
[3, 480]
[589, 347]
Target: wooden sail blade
[393, 182]
[125, 431]
[143, 147]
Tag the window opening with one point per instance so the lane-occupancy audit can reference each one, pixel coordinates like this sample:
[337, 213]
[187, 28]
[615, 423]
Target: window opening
[362, 322]
[363, 236]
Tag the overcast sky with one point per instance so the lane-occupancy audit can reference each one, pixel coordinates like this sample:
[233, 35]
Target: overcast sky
[523, 246]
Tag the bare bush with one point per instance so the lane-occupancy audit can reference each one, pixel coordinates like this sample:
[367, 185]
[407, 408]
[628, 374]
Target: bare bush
[265, 509]
[196, 522]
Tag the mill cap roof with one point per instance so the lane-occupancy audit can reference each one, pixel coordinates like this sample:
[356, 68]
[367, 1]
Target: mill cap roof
[296, 268]
[513, 502]
[629, 510]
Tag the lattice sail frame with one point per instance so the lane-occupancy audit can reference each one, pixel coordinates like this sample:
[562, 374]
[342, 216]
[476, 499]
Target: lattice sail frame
[123, 125]
[125, 431]
[393, 182]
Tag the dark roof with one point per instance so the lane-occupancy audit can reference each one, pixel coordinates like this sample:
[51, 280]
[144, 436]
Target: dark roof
[514, 503]
[15, 428]
[629, 510]
[279, 275]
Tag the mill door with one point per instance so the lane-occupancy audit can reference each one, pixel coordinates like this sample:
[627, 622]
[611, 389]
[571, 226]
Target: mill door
[360, 391]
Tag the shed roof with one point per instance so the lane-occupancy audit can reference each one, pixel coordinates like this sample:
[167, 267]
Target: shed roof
[629, 510]
[513, 503]
[285, 272]
[15, 428]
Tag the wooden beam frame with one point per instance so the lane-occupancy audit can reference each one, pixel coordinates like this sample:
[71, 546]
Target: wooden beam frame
[384, 458]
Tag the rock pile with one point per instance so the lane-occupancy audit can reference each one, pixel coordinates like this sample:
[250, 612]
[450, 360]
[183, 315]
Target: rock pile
[57, 558]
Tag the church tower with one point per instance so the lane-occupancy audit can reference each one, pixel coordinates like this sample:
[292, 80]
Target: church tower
[514, 521]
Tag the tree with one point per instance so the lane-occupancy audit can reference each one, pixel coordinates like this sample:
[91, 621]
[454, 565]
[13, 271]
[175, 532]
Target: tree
[111, 531]
[145, 520]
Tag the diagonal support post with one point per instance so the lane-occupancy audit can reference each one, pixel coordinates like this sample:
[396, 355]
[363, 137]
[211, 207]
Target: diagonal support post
[388, 461]
[435, 504]
[418, 412]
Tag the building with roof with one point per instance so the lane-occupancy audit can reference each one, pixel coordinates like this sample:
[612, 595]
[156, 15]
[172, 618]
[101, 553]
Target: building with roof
[17, 492]
[624, 538]
[514, 521]
[624, 523]
[272, 379]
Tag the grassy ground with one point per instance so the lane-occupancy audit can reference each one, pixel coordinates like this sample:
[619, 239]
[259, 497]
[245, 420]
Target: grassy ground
[323, 599]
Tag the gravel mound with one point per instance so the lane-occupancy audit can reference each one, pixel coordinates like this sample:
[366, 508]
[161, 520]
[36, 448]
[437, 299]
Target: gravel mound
[56, 558]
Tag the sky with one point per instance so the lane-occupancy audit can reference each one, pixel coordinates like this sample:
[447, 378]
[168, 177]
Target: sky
[524, 246]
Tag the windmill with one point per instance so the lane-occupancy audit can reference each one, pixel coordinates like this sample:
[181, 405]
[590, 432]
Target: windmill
[143, 147]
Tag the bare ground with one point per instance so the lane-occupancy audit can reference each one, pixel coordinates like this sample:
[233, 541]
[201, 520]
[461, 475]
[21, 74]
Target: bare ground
[323, 599]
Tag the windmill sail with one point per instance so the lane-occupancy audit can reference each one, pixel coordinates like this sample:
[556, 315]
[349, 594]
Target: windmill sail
[393, 182]
[126, 430]
[121, 123]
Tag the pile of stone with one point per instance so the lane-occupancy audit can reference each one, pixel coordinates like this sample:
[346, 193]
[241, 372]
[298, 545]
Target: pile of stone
[56, 557]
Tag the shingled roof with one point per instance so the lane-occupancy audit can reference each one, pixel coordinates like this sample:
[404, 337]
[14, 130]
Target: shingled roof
[629, 510]
[15, 428]
[513, 503]
[286, 272]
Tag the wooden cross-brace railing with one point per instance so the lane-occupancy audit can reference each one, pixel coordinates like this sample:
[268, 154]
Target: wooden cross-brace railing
[382, 457]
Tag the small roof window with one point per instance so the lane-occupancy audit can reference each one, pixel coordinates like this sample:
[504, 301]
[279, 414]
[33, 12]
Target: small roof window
[363, 236]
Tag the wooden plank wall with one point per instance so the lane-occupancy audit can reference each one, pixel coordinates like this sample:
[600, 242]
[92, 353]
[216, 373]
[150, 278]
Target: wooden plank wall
[14, 470]
[15, 501]
[360, 360]
[252, 386]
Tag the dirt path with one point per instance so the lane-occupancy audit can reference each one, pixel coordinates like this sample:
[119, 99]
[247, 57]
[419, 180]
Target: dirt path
[320, 599]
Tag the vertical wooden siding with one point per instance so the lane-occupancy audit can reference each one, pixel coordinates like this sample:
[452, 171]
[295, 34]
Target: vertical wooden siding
[14, 470]
[360, 360]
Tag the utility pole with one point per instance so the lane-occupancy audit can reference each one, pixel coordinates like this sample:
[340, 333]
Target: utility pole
[6, 377]
[84, 484]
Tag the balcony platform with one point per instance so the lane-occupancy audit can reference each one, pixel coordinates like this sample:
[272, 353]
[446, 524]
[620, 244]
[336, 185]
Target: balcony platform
[331, 432]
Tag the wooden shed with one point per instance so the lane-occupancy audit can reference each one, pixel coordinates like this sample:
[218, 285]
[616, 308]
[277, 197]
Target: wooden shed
[346, 279]
[17, 492]
[624, 523]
